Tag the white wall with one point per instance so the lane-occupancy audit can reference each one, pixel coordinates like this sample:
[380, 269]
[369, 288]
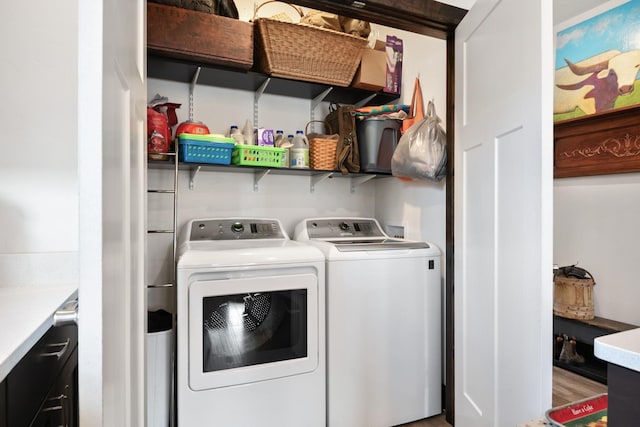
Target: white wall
[596, 225]
[38, 166]
[418, 206]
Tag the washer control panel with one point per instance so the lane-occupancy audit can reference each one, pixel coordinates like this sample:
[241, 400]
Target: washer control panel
[235, 229]
[353, 227]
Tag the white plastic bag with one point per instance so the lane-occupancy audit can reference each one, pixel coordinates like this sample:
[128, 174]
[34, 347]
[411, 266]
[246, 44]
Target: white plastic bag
[422, 150]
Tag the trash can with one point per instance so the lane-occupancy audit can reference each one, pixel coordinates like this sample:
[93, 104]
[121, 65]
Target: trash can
[377, 140]
[160, 357]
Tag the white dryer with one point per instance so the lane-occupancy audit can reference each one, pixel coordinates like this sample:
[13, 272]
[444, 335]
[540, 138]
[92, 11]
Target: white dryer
[383, 323]
[250, 326]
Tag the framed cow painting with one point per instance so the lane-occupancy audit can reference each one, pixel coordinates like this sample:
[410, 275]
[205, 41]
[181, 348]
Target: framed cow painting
[597, 62]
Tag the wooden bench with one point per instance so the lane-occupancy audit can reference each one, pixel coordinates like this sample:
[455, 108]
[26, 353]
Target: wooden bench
[584, 332]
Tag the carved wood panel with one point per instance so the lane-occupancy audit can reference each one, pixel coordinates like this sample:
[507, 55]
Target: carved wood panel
[602, 144]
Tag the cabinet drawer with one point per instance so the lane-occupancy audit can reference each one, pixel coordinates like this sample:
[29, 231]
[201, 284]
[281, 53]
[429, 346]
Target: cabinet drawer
[60, 407]
[32, 378]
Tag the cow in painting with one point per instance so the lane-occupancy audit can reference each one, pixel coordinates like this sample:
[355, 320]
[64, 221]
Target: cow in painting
[625, 64]
[594, 84]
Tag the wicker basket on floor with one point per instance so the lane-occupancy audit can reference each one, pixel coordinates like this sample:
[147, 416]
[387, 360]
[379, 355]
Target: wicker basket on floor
[304, 52]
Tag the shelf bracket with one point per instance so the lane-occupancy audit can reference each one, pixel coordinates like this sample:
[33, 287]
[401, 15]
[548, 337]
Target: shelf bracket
[256, 99]
[365, 101]
[316, 101]
[192, 176]
[317, 179]
[257, 176]
[192, 88]
[359, 180]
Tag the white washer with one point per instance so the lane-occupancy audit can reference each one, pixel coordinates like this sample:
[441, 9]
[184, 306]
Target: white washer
[251, 326]
[383, 323]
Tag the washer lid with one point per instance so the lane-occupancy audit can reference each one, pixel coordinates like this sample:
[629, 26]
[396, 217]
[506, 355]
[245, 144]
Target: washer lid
[380, 245]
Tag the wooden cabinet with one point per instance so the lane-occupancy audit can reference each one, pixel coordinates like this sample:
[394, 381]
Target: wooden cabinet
[41, 388]
[624, 394]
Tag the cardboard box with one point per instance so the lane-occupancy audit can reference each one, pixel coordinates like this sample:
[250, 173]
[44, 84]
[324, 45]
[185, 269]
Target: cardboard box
[264, 137]
[198, 36]
[393, 52]
[371, 74]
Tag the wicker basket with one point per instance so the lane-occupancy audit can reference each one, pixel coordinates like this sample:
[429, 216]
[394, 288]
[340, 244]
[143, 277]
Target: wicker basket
[322, 148]
[573, 298]
[304, 52]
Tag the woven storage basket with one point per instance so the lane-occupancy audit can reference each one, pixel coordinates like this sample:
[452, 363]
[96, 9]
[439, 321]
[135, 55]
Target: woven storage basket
[322, 149]
[304, 52]
[573, 298]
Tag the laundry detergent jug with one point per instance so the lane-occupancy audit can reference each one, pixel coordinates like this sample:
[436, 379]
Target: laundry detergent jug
[299, 151]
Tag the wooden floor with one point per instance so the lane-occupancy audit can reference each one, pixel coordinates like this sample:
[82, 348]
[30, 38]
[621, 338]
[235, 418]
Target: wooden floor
[567, 387]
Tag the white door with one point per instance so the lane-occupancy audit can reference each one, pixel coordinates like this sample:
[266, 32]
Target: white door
[503, 213]
[111, 156]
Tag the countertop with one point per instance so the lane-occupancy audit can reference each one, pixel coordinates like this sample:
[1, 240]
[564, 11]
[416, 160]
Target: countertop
[622, 348]
[26, 313]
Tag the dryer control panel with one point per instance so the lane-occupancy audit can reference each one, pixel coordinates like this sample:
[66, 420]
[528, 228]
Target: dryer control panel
[236, 229]
[354, 227]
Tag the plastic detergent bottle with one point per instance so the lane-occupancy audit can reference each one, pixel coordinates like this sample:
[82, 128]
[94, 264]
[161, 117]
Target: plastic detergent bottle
[288, 139]
[237, 136]
[299, 151]
[282, 141]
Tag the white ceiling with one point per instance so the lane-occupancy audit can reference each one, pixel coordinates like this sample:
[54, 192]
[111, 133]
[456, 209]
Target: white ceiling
[562, 9]
[566, 9]
[463, 4]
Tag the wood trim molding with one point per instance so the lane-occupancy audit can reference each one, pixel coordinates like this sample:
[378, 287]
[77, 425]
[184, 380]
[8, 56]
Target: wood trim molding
[449, 315]
[602, 144]
[427, 17]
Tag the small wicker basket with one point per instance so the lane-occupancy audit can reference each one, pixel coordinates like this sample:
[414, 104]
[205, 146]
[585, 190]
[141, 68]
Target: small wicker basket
[573, 297]
[322, 148]
[305, 52]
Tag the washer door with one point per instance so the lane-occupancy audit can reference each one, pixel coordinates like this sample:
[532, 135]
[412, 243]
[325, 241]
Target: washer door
[249, 329]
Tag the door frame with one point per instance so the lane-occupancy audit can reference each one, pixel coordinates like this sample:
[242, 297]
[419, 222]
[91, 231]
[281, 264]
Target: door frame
[449, 312]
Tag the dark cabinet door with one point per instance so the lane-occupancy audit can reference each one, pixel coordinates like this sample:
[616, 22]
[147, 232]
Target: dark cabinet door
[60, 406]
[3, 404]
[30, 381]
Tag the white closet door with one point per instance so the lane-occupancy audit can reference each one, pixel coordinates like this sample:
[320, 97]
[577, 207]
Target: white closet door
[111, 156]
[503, 213]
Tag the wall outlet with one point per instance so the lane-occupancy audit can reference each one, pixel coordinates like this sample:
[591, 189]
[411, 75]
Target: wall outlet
[396, 231]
